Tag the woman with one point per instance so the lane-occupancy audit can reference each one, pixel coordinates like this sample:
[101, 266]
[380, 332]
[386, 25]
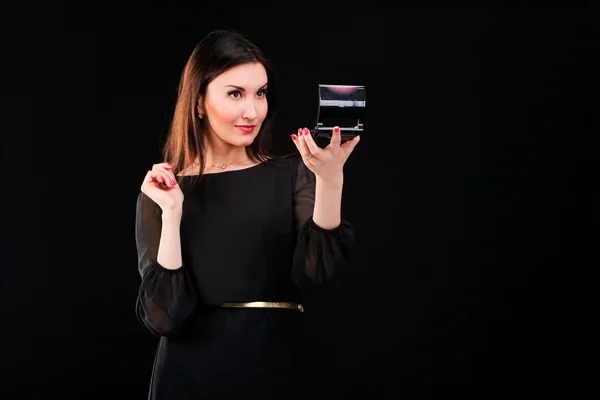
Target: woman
[224, 270]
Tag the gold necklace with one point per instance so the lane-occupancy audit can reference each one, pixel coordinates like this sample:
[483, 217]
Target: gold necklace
[223, 166]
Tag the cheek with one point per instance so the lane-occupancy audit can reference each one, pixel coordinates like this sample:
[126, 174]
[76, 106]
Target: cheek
[225, 113]
[262, 109]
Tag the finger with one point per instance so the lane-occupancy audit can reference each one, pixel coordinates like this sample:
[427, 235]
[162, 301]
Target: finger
[167, 175]
[152, 178]
[163, 165]
[171, 175]
[169, 178]
[303, 147]
[349, 145]
[336, 137]
[165, 178]
[149, 177]
[310, 142]
[295, 140]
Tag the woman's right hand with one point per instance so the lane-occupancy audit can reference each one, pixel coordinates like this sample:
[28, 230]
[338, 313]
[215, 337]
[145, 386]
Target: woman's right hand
[162, 187]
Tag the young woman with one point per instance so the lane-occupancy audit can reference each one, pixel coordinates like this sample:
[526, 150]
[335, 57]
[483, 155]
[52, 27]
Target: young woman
[223, 271]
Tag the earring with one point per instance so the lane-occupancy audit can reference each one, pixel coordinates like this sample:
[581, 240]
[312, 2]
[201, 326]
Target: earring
[200, 116]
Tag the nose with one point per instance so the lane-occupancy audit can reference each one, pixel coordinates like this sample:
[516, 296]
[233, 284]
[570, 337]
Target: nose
[250, 111]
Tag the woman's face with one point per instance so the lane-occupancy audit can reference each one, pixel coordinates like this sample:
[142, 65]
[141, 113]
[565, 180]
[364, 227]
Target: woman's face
[236, 104]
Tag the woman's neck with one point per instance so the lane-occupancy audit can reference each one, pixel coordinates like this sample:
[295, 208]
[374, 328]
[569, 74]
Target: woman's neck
[225, 156]
[219, 152]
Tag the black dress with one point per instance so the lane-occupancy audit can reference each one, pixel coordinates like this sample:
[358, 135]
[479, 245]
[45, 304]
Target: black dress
[246, 235]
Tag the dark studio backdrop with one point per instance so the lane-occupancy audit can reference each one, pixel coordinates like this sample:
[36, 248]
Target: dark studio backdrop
[462, 190]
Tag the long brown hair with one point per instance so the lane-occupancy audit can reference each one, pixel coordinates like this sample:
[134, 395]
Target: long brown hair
[216, 53]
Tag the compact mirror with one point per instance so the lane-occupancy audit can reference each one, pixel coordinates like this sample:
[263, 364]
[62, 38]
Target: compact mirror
[343, 106]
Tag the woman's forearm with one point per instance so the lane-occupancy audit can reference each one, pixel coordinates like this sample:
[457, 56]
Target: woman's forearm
[169, 251]
[328, 203]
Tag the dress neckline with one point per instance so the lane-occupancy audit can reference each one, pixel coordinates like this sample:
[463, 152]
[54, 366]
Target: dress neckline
[225, 172]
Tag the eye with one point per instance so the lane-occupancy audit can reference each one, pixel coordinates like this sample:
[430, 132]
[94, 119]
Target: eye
[262, 93]
[235, 94]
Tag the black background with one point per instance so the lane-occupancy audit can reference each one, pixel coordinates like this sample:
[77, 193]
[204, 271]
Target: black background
[462, 190]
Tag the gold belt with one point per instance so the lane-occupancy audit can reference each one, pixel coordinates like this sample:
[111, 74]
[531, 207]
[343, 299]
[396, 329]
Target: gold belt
[265, 304]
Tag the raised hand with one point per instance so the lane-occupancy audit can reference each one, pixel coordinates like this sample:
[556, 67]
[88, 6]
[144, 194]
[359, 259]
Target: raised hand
[162, 187]
[328, 163]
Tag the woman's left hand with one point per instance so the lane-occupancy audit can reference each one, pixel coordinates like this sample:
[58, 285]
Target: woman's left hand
[328, 163]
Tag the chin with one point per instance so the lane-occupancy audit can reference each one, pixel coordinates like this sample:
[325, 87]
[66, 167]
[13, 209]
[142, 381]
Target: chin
[246, 140]
[242, 142]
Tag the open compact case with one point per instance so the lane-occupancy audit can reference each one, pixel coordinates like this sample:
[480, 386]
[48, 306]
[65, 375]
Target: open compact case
[343, 106]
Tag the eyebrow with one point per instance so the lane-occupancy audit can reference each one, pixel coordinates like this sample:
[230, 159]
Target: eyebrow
[241, 89]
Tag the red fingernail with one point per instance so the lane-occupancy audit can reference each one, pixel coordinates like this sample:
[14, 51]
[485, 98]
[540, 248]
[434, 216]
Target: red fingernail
[336, 129]
[294, 137]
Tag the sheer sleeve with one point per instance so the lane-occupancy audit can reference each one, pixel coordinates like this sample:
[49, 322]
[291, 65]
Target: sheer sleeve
[320, 254]
[166, 298]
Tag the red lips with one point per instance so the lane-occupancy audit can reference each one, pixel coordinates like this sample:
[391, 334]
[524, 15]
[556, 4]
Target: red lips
[246, 128]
